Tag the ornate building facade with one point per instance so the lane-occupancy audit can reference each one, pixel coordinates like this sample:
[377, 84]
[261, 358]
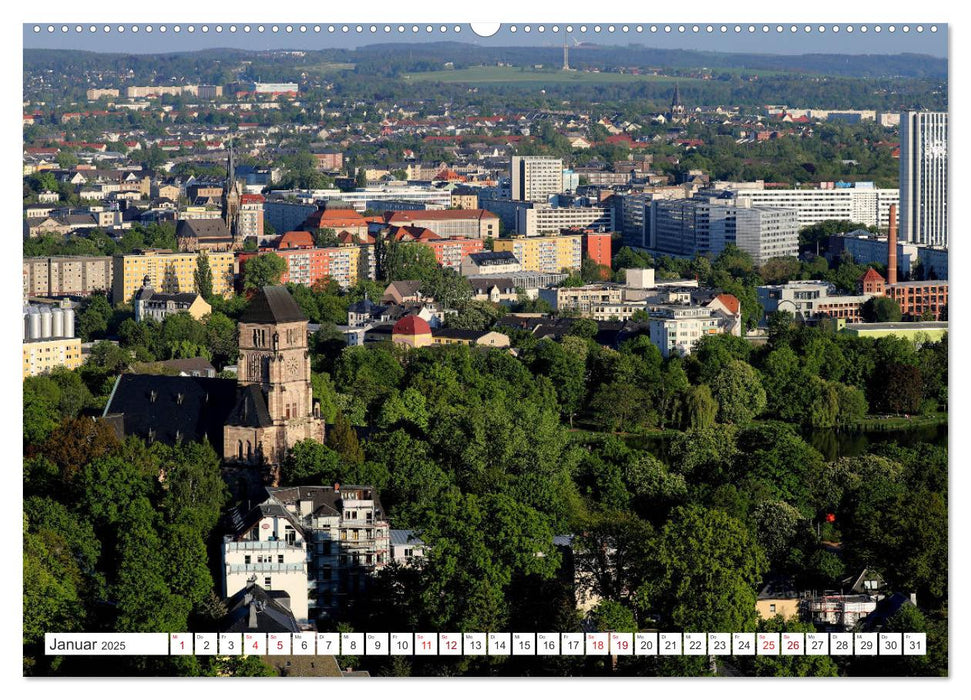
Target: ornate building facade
[275, 409]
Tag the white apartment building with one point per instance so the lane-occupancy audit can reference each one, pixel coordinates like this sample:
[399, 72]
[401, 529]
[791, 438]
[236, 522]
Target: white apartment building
[676, 329]
[762, 232]
[545, 220]
[430, 198]
[270, 549]
[923, 178]
[861, 204]
[317, 543]
[536, 178]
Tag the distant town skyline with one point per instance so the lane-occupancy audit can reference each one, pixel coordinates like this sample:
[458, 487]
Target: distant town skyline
[771, 42]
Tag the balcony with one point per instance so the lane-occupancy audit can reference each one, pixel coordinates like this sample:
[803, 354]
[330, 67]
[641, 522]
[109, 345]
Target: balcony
[267, 568]
[265, 546]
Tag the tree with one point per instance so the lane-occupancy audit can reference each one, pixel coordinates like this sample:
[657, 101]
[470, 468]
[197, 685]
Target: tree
[203, 276]
[78, 441]
[326, 238]
[899, 389]
[611, 556]
[342, 438]
[51, 595]
[93, 322]
[66, 160]
[701, 407]
[195, 492]
[565, 369]
[264, 270]
[592, 271]
[881, 310]
[611, 616]
[584, 328]
[619, 406]
[221, 339]
[145, 601]
[739, 393]
[310, 463]
[706, 569]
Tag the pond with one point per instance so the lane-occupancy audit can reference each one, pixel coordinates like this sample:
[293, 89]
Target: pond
[834, 444]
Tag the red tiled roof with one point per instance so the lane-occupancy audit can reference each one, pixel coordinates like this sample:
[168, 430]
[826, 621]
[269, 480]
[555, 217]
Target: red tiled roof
[415, 233]
[295, 239]
[730, 302]
[411, 325]
[336, 219]
[394, 217]
[872, 275]
[348, 238]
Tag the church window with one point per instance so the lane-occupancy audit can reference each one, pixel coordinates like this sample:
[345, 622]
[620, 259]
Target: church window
[239, 449]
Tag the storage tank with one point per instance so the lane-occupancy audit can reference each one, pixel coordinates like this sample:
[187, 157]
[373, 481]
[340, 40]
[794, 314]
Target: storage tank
[46, 323]
[68, 323]
[34, 328]
[57, 323]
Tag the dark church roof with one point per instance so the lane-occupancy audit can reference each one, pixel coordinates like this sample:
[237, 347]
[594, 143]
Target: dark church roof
[202, 228]
[250, 410]
[167, 409]
[272, 305]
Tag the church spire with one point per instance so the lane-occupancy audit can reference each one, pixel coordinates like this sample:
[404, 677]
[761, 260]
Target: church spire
[231, 168]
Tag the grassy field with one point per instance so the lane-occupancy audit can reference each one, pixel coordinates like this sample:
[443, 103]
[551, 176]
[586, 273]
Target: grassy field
[325, 68]
[899, 422]
[482, 75]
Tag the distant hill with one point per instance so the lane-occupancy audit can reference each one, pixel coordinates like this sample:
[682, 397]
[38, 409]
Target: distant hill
[412, 57]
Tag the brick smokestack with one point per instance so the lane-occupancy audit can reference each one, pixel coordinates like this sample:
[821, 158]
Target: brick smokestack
[892, 247]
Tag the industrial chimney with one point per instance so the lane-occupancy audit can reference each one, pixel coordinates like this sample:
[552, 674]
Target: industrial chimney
[892, 247]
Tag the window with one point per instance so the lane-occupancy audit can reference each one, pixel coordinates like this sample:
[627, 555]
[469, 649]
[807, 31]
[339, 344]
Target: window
[267, 582]
[247, 559]
[279, 558]
[771, 607]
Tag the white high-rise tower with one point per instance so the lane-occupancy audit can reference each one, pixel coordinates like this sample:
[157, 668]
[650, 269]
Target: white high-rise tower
[923, 178]
[536, 178]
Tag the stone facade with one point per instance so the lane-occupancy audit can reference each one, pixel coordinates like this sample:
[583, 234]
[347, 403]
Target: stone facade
[276, 408]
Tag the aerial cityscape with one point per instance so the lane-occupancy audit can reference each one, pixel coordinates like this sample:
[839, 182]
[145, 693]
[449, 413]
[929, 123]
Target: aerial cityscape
[443, 338]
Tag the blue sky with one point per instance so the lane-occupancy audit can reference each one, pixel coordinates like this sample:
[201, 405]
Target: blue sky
[786, 42]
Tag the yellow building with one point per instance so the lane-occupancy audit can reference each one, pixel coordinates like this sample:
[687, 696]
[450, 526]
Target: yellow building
[465, 199]
[458, 336]
[44, 355]
[544, 253]
[169, 272]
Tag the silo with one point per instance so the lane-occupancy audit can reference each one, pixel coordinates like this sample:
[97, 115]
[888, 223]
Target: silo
[46, 323]
[57, 323]
[68, 323]
[34, 320]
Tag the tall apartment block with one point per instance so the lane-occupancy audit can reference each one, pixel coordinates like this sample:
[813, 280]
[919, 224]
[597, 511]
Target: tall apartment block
[689, 227]
[536, 178]
[923, 178]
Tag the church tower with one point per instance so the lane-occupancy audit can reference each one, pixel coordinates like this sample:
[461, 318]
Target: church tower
[275, 407]
[232, 194]
[677, 109]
